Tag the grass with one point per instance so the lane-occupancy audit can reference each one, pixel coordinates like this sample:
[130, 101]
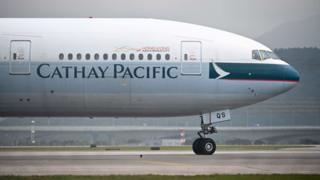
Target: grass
[155, 177]
[146, 148]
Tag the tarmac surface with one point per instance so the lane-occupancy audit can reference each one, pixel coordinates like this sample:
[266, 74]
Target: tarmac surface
[287, 161]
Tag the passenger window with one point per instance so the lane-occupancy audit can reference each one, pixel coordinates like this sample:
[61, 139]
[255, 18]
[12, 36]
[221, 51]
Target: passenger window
[158, 56]
[256, 55]
[87, 56]
[149, 56]
[131, 56]
[96, 56]
[167, 57]
[123, 56]
[70, 56]
[114, 56]
[140, 56]
[79, 56]
[61, 56]
[105, 56]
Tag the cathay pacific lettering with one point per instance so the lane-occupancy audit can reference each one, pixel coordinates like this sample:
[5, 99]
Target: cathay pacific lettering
[119, 71]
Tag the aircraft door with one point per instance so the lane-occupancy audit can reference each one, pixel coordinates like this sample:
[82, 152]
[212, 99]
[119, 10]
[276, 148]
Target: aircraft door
[20, 57]
[191, 57]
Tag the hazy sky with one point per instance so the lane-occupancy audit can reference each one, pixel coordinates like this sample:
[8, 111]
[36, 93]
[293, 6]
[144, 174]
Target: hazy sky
[247, 17]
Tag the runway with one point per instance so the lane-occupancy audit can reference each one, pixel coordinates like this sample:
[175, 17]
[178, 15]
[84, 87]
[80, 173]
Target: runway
[290, 161]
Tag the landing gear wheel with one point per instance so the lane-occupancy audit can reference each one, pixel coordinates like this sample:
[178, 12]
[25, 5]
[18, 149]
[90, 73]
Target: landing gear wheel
[207, 146]
[195, 146]
[204, 146]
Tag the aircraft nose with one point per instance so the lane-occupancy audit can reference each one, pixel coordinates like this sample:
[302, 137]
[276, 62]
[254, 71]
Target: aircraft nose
[291, 77]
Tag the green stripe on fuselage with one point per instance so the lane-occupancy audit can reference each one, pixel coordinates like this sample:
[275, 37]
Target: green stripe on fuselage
[247, 71]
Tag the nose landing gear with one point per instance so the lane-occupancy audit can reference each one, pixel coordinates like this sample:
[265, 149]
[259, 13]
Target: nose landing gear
[204, 145]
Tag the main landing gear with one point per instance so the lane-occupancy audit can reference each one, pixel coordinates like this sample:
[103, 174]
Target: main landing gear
[204, 145]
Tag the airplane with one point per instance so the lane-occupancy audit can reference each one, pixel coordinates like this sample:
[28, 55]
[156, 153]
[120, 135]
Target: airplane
[134, 68]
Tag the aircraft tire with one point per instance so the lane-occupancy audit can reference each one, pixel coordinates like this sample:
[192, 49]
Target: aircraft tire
[207, 146]
[196, 147]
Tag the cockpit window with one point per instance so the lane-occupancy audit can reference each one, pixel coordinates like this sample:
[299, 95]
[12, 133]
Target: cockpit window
[263, 55]
[273, 55]
[256, 55]
[268, 55]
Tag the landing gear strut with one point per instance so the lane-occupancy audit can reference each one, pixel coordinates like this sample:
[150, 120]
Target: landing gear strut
[204, 145]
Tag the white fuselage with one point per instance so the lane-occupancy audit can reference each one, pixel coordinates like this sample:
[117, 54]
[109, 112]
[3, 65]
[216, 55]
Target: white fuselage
[130, 67]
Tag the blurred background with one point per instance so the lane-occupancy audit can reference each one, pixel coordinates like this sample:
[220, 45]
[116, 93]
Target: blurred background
[290, 27]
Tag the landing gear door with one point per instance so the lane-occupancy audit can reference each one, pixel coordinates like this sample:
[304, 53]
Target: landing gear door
[191, 57]
[20, 57]
[220, 116]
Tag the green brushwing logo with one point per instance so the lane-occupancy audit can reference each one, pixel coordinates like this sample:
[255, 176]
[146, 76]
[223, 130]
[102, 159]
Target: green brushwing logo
[215, 72]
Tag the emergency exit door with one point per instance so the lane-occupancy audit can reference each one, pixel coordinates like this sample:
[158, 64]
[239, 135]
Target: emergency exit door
[191, 57]
[20, 57]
